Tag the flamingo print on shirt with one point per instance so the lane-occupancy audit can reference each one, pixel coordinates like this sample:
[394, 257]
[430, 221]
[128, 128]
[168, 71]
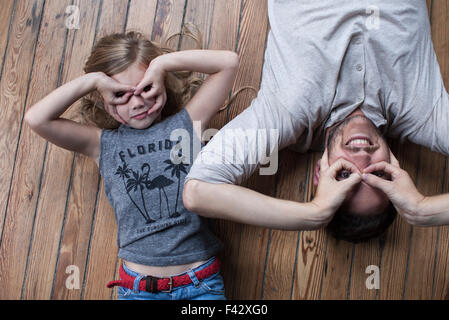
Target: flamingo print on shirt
[138, 183]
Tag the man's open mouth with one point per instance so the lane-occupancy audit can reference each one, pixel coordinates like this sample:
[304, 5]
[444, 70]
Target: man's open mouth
[359, 141]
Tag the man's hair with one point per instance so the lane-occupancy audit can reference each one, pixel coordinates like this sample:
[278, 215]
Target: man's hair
[355, 228]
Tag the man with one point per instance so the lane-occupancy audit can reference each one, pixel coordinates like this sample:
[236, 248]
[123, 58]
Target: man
[337, 77]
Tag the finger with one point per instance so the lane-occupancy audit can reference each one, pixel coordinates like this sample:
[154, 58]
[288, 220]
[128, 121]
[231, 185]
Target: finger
[341, 164]
[159, 104]
[379, 183]
[324, 162]
[122, 100]
[353, 179]
[393, 160]
[118, 87]
[153, 94]
[382, 166]
[154, 91]
[141, 86]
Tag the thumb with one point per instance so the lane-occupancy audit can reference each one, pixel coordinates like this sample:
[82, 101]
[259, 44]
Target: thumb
[144, 85]
[353, 179]
[122, 99]
[377, 182]
[122, 87]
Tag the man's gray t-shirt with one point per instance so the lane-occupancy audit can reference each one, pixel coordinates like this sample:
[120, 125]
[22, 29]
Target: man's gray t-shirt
[143, 172]
[323, 60]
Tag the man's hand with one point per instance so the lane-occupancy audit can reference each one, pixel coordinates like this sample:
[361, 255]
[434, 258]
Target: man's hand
[400, 190]
[330, 192]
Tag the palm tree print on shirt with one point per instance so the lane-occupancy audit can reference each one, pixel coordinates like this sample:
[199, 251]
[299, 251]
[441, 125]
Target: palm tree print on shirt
[137, 181]
[176, 170]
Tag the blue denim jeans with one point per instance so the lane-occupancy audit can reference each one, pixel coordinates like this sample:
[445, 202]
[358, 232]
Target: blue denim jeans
[211, 288]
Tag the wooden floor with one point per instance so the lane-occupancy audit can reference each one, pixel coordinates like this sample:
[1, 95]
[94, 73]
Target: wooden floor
[54, 214]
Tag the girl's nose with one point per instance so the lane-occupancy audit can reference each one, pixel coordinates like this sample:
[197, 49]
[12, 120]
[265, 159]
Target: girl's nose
[136, 102]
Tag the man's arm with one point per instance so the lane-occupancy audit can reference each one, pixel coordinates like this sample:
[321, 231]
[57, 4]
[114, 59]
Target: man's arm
[410, 203]
[432, 211]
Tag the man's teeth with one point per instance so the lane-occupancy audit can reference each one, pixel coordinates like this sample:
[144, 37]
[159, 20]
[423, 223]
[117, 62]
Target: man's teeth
[359, 142]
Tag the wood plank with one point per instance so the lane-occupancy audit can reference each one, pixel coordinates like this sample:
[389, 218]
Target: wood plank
[199, 13]
[17, 212]
[395, 251]
[337, 268]
[365, 254]
[225, 25]
[430, 179]
[168, 21]
[141, 16]
[103, 248]
[58, 163]
[77, 227]
[422, 253]
[248, 269]
[5, 21]
[440, 37]
[113, 18]
[280, 264]
[101, 267]
[441, 276]
[310, 265]
[311, 249]
[84, 187]
[223, 36]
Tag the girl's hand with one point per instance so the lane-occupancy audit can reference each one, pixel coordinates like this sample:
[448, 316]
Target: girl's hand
[330, 192]
[113, 93]
[152, 86]
[400, 190]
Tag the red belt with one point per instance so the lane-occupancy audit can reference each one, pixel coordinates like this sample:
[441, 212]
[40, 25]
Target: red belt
[155, 285]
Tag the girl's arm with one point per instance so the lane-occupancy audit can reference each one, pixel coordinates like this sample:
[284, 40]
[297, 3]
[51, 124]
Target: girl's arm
[239, 204]
[44, 116]
[221, 66]
[243, 205]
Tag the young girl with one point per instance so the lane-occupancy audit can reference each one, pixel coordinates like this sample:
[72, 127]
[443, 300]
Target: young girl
[134, 92]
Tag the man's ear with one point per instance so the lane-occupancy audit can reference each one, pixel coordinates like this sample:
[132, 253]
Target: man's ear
[316, 173]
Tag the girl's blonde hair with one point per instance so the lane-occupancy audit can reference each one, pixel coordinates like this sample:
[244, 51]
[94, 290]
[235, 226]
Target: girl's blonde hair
[115, 53]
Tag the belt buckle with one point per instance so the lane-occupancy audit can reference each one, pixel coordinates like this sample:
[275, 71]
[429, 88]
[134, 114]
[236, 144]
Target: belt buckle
[170, 289]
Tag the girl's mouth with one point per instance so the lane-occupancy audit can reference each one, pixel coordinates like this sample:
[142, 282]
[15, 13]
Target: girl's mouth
[140, 116]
